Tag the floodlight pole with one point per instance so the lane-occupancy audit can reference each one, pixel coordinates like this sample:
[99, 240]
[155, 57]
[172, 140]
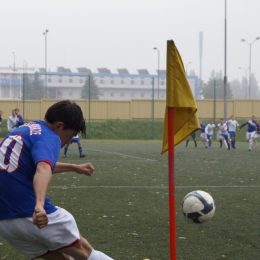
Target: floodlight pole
[155, 48]
[225, 65]
[153, 110]
[246, 79]
[187, 68]
[45, 34]
[250, 76]
[89, 126]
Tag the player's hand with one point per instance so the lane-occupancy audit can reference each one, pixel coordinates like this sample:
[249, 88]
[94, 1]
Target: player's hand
[86, 168]
[40, 218]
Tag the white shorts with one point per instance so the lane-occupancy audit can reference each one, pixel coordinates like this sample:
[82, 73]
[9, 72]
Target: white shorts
[250, 135]
[21, 233]
[203, 136]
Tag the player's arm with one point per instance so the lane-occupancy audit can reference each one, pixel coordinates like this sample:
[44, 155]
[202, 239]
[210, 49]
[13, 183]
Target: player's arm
[242, 125]
[41, 182]
[9, 125]
[86, 168]
[206, 130]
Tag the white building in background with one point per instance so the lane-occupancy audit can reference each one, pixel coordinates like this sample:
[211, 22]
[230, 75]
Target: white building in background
[65, 84]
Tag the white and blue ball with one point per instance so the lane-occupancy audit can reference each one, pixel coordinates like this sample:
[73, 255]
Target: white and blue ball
[198, 206]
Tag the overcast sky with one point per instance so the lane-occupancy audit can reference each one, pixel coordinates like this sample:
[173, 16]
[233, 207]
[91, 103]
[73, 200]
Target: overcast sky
[122, 34]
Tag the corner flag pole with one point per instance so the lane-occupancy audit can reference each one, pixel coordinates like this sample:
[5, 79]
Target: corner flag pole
[172, 211]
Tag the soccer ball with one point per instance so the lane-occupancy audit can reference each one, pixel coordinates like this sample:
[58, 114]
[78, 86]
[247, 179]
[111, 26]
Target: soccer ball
[198, 206]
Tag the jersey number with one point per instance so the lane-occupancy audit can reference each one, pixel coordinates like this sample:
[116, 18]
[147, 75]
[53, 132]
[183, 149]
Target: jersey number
[10, 152]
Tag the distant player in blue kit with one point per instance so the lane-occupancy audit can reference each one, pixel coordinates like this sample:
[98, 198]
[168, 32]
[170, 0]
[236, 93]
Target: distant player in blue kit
[209, 131]
[232, 125]
[223, 133]
[203, 135]
[75, 139]
[193, 136]
[251, 131]
[28, 157]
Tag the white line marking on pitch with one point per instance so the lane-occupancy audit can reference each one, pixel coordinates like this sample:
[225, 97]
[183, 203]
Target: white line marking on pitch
[145, 187]
[124, 155]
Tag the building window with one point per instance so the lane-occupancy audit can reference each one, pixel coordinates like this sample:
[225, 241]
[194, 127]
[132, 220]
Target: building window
[101, 81]
[60, 80]
[162, 82]
[101, 93]
[142, 82]
[142, 94]
[132, 94]
[70, 80]
[49, 80]
[122, 94]
[122, 81]
[132, 82]
[70, 92]
[111, 94]
[80, 80]
[111, 81]
[162, 94]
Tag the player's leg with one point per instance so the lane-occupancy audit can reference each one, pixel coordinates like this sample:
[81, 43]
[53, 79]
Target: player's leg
[227, 140]
[203, 139]
[223, 139]
[210, 138]
[255, 140]
[195, 142]
[81, 155]
[187, 142]
[65, 150]
[83, 250]
[56, 256]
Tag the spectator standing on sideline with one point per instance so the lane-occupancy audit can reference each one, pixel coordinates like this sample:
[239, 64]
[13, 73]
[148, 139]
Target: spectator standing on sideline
[20, 120]
[28, 158]
[11, 121]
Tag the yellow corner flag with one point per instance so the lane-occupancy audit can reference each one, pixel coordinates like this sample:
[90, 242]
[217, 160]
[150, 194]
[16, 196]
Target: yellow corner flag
[180, 97]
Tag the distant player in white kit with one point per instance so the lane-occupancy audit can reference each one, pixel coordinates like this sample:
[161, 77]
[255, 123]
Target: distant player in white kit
[223, 133]
[232, 125]
[209, 131]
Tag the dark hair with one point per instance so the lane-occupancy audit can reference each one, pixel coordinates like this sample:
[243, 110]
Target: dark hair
[69, 113]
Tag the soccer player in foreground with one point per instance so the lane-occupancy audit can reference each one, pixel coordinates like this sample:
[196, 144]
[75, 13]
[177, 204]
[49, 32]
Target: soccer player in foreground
[28, 158]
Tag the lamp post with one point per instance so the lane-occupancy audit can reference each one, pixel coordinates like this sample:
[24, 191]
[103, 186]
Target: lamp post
[187, 68]
[250, 44]
[155, 48]
[14, 76]
[246, 77]
[45, 34]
